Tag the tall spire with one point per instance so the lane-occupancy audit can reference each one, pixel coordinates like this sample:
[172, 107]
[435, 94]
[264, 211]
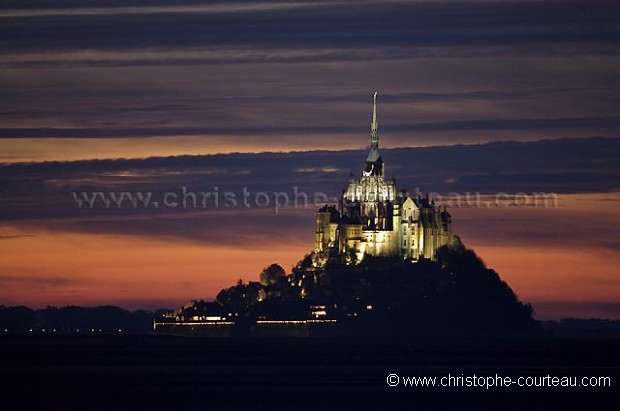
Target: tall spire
[374, 132]
[374, 164]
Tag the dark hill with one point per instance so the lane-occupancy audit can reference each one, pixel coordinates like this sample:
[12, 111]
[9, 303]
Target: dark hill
[458, 293]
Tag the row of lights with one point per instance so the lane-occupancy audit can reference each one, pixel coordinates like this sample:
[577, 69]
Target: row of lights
[6, 330]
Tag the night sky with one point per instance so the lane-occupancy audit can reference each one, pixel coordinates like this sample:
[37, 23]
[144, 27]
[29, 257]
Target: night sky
[152, 96]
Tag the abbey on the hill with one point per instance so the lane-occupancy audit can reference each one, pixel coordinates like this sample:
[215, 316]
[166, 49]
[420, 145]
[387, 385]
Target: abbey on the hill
[374, 218]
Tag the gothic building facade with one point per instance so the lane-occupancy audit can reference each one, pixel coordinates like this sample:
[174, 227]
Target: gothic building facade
[374, 218]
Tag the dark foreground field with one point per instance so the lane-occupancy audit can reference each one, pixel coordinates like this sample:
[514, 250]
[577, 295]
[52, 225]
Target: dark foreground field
[176, 373]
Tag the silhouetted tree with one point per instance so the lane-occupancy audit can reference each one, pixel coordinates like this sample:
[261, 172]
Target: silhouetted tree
[239, 297]
[271, 274]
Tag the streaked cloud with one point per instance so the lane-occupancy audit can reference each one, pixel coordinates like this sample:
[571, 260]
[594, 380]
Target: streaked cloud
[566, 166]
[319, 24]
[220, 77]
[162, 8]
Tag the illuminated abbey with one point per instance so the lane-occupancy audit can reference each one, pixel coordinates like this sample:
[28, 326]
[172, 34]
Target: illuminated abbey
[374, 218]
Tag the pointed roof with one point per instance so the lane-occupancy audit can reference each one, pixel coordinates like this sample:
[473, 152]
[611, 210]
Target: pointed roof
[373, 154]
[373, 160]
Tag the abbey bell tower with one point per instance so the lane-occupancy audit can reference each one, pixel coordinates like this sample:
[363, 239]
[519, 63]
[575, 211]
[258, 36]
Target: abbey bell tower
[374, 218]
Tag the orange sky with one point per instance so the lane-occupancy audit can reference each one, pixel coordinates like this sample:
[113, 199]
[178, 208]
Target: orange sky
[132, 271]
[573, 279]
